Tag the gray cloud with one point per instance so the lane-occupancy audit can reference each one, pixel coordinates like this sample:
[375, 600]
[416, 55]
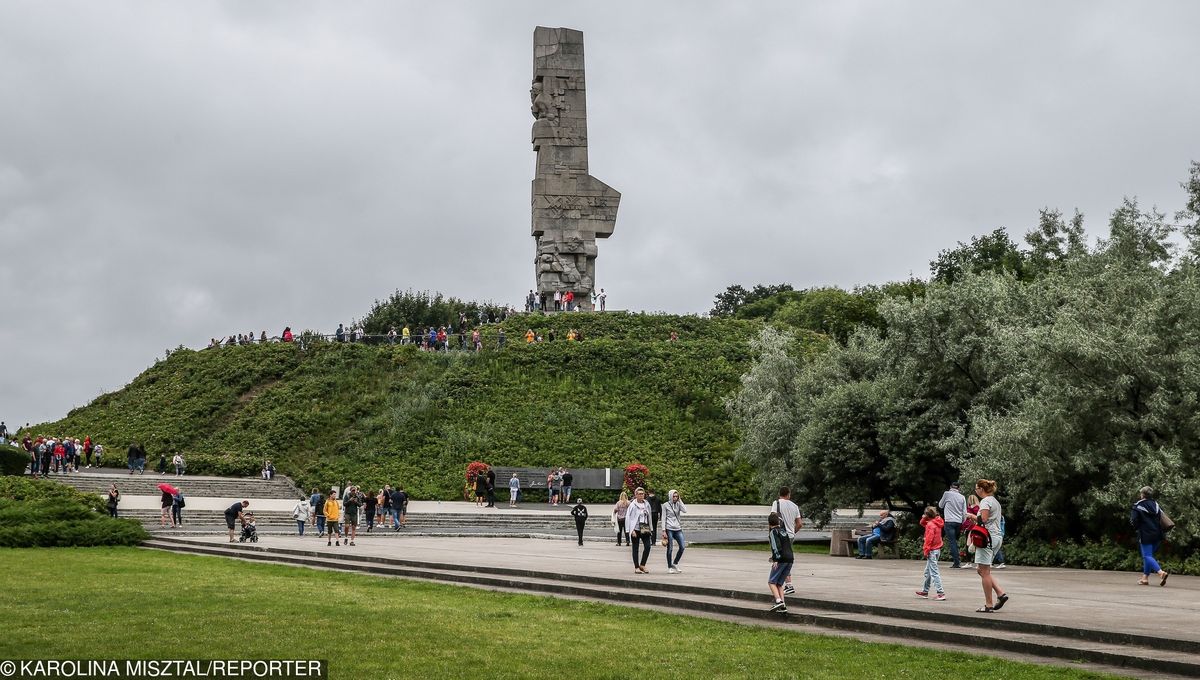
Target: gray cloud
[173, 172]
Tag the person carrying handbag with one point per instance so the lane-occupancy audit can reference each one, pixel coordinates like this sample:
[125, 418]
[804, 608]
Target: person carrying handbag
[1151, 524]
[641, 529]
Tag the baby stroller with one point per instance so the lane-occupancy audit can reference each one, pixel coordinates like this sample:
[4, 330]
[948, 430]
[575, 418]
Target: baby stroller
[249, 533]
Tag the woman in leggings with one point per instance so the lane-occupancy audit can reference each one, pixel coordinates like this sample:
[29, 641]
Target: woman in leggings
[640, 525]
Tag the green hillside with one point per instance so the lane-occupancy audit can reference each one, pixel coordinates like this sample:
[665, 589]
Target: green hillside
[377, 414]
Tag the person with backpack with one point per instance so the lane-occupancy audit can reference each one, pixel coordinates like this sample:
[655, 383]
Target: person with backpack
[177, 461]
[1151, 524]
[792, 522]
[781, 561]
[987, 539]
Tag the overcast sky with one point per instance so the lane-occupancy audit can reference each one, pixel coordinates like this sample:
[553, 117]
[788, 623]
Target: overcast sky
[170, 172]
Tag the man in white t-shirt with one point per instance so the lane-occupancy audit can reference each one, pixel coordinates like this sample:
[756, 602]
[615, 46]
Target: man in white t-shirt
[792, 522]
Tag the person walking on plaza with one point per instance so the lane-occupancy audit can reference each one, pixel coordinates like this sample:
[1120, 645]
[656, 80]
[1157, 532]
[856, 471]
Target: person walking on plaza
[932, 549]
[673, 529]
[177, 461]
[619, 513]
[791, 521]
[235, 514]
[655, 510]
[640, 521]
[580, 513]
[954, 508]
[1149, 521]
[332, 514]
[781, 561]
[300, 513]
[989, 518]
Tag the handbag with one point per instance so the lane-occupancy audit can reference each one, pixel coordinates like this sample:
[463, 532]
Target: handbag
[1164, 521]
[664, 541]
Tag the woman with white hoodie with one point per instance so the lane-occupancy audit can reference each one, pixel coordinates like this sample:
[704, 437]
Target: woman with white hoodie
[672, 529]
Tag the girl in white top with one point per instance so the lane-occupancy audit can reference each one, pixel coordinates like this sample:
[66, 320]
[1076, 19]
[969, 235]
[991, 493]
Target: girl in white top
[639, 522]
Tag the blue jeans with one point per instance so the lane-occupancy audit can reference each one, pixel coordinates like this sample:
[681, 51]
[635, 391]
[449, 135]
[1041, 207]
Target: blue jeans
[395, 518]
[951, 532]
[675, 536]
[320, 525]
[932, 575]
[300, 526]
[866, 543]
[1149, 564]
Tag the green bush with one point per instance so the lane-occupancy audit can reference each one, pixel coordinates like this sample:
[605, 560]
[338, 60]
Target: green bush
[39, 513]
[13, 461]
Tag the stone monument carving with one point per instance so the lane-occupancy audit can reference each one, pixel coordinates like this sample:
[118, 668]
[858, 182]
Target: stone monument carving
[571, 209]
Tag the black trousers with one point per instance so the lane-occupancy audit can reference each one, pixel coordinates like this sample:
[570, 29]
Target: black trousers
[491, 497]
[621, 531]
[645, 539]
[579, 528]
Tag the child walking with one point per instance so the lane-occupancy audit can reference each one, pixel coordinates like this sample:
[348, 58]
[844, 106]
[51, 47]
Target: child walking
[933, 549]
[781, 561]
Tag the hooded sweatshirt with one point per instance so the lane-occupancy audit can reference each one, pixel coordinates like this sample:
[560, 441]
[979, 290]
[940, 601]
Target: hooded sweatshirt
[933, 533]
[332, 511]
[1145, 520]
[671, 512]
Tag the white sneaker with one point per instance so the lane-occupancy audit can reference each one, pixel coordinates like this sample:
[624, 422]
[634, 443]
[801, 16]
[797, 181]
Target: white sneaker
[678, 570]
[672, 570]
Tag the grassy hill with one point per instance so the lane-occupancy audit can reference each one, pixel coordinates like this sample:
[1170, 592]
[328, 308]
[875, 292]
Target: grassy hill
[377, 414]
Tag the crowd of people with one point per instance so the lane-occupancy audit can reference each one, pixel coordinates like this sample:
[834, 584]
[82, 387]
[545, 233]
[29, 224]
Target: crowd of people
[60, 455]
[337, 516]
[562, 301]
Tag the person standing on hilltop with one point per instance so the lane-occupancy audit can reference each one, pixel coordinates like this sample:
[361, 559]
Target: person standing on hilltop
[340, 333]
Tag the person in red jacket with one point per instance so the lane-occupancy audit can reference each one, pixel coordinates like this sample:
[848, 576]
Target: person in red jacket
[933, 549]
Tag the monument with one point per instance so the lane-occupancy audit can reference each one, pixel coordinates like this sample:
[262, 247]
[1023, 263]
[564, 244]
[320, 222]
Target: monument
[571, 209]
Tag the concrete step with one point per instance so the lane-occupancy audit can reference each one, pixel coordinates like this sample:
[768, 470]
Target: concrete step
[524, 522]
[147, 484]
[1119, 652]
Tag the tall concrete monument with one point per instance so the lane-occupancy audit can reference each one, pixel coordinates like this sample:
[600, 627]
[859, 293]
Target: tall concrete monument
[571, 209]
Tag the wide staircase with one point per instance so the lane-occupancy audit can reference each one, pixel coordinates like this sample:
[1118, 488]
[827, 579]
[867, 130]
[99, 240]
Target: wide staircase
[271, 503]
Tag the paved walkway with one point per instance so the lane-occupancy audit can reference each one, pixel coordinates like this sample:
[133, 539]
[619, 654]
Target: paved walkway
[1063, 597]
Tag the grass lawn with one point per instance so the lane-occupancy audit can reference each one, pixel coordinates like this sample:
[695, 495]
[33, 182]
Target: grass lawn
[798, 548]
[80, 603]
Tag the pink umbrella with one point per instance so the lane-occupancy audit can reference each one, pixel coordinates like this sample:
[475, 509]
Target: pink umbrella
[168, 488]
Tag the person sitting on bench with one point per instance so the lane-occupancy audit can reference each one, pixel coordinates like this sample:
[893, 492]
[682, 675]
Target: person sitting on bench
[883, 531]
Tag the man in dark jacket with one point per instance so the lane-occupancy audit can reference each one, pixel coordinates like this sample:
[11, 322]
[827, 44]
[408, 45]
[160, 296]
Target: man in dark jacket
[655, 510]
[1146, 518]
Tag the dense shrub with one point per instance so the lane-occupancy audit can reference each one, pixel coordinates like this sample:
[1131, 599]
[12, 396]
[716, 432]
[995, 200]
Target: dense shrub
[13, 461]
[38, 513]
